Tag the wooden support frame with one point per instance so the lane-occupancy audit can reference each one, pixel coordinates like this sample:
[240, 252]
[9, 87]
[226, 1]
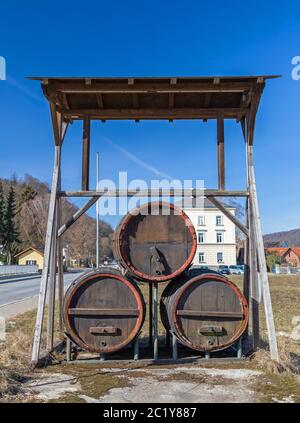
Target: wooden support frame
[230, 216]
[60, 267]
[176, 91]
[86, 153]
[155, 193]
[221, 153]
[52, 284]
[77, 215]
[256, 246]
[59, 132]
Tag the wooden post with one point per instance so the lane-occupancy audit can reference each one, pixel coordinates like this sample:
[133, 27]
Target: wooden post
[246, 278]
[174, 347]
[59, 132]
[52, 286]
[150, 308]
[86, 154]
[60, 269]
[155, 322]
[253, 281]
[261, 257]
[47, 253]
[136, 352]
[221, 153]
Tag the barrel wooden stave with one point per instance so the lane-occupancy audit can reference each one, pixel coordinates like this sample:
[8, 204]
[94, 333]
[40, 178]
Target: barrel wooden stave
[155, 247]
[206, 313]
[103, 311]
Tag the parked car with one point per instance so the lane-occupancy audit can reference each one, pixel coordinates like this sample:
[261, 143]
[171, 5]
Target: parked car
[241, 267]
[235, 270]
[224, 269]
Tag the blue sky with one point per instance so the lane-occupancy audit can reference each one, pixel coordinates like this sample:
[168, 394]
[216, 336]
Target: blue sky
[155, 38]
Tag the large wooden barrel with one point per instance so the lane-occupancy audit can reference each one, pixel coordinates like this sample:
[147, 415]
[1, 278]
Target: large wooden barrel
[103, 311]
[155, 242]
[206, 312]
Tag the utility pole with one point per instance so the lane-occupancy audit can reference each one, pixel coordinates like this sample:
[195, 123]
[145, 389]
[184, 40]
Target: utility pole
[97, 212]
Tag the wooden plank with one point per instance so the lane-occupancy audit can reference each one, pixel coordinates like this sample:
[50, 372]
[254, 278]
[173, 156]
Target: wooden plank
[155, 193]
[221, 153]
[217, 314]
[207, 99]
[253, 283]
[102, 312]
[60, 280]
[60, 263]
[56, 123]
[166, 87]
[100, 100]
[52, 286]
[76, 216]
[171, 100]
[86, 154]
[154, 113]
[135, 101]
[246, 277]
[230, 216]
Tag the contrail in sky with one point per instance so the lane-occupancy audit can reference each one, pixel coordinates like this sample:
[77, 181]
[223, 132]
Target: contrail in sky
[135, 159]
[24, 89]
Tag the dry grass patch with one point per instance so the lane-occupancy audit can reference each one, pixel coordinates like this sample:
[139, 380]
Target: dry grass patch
[15, 351]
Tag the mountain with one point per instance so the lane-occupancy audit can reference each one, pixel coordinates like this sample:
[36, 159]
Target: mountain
[32, 201]
[283, 239]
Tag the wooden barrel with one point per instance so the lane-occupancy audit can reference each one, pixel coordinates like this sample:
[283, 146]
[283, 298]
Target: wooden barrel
[206, 312]
[103, 311]
[155, 242]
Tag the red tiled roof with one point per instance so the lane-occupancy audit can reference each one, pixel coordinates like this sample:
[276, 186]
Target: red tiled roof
[277, 250]
[296, 250]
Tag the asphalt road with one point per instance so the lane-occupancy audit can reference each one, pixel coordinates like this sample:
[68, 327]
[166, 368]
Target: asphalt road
[27, 287]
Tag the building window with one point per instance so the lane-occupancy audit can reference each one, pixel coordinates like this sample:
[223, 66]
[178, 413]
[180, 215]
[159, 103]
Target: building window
[220, 258]
[201, 258]
[201, 220]
[30, 262]
[219, 220]
[220, 238]
[201, 237]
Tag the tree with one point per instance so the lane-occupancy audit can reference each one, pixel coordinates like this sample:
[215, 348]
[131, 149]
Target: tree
[2, 226]
[271, 260]
[11, 235]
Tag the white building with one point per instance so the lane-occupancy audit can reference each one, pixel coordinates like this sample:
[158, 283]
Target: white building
[216, 235]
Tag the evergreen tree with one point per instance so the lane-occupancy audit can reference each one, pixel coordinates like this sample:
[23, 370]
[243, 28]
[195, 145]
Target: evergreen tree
[26, 194]
[11, 236]
[2, 226]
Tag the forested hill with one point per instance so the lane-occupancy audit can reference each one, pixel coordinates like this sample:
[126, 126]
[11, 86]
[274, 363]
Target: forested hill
[31, 209]
[283, 239]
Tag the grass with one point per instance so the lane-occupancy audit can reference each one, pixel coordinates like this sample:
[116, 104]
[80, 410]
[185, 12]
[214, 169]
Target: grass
[285, 292]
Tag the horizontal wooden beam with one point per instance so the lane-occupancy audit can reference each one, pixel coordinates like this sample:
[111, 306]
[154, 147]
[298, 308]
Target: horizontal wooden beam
[154, 113]
[203, 313]
[155, 193]
[150, 88]
[102, 312]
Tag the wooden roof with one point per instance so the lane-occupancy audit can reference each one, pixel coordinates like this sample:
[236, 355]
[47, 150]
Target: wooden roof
[153, 97]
